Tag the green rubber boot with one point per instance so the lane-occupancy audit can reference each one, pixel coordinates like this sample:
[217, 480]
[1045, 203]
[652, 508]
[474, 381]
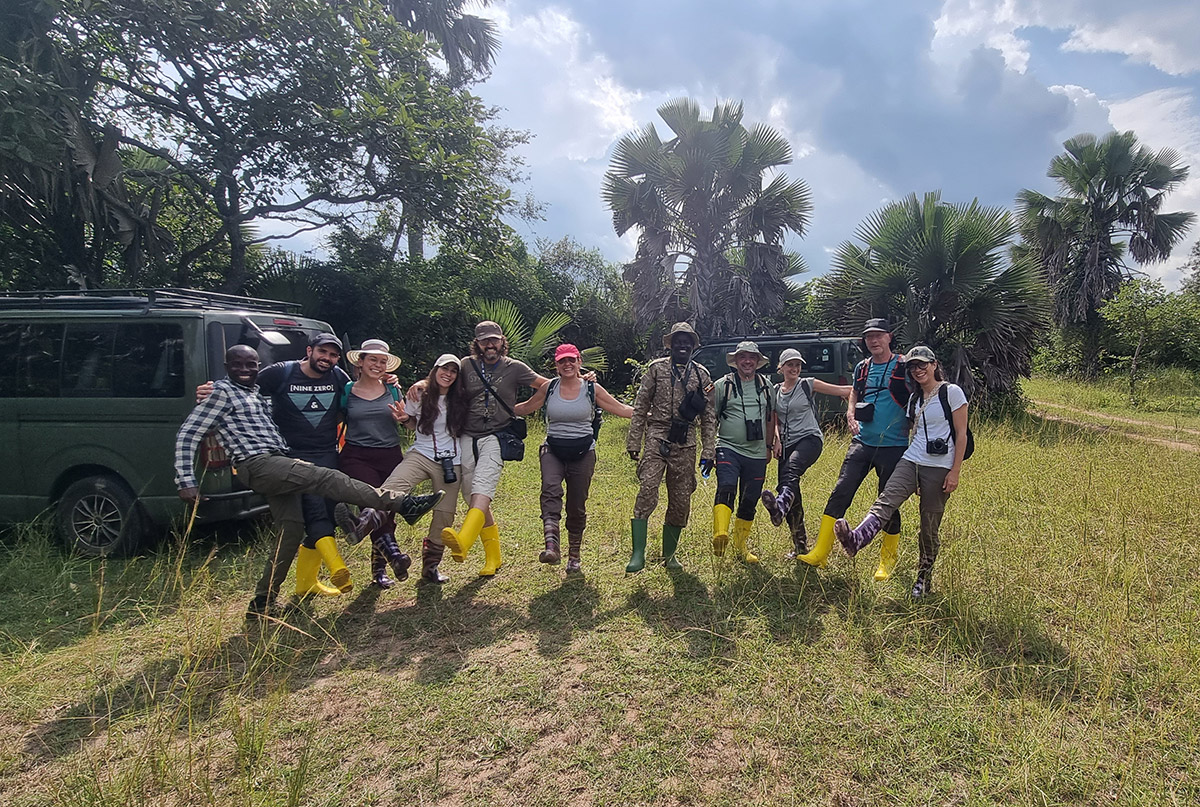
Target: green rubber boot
[670, 544]
[637, 561]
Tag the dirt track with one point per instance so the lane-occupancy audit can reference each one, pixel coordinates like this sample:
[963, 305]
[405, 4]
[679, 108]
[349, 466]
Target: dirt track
[1041, 407]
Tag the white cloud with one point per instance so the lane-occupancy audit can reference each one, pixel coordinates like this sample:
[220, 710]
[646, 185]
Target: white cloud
[1165, 34]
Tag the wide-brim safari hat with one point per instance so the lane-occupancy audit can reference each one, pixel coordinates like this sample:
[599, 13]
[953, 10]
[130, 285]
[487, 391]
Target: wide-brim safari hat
[681, 327]
[746, 347]
[374, 347]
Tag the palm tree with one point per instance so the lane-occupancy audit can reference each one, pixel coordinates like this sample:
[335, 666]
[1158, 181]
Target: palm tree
[942, 273]
[531, 345]
[712, 215]
[468, 43]
[1112, 191]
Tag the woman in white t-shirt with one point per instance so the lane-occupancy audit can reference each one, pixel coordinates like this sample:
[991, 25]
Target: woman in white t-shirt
[437, 409]
[930, 465]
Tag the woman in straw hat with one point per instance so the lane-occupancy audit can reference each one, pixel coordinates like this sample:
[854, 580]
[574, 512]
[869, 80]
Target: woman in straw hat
[372, 449]
[436, 408]
[798, 443]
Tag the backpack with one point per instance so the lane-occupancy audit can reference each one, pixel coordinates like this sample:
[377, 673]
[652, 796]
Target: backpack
[597, 421]
[897, 384]
[944, 399]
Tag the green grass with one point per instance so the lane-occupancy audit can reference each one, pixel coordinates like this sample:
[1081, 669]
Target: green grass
[1057, 663]
[1169, 399]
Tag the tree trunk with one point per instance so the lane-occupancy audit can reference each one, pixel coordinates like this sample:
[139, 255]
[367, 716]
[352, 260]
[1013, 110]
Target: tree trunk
[416, 237]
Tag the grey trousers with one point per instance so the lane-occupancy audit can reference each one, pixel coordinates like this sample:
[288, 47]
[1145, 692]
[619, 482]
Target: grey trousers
[282, 480]
[907, 479]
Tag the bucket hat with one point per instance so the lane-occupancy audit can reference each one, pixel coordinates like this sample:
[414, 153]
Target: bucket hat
[681, 327]
[374, 347]
[746, 346]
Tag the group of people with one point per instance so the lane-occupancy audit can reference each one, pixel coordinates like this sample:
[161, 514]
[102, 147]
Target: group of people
[313, 441]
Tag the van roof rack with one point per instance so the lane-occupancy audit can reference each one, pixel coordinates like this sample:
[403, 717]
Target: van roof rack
[110, 299]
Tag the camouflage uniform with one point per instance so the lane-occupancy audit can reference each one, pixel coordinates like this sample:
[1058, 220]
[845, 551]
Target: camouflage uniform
[657, 402]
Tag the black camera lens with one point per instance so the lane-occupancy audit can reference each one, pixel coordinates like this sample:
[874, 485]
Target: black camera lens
[664, 448]
[937, 447]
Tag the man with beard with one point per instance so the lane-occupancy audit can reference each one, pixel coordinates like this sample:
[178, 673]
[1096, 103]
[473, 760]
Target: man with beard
[876, 416]
[306, 407]
[243, 421]
[492, 380]
[673, 392]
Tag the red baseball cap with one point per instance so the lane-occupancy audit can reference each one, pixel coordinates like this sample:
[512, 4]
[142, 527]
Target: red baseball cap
[565, 350]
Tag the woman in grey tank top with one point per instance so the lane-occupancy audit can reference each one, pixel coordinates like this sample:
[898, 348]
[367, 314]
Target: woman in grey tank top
[569, 453]
[372, 447]
[797, 445]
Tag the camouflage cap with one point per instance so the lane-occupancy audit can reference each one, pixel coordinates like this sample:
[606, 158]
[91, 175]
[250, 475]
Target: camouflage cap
[681, 327]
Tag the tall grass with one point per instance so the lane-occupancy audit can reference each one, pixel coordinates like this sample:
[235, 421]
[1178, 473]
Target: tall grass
[1057, 662]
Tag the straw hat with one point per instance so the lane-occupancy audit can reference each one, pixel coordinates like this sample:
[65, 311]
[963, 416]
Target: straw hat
[374, 347]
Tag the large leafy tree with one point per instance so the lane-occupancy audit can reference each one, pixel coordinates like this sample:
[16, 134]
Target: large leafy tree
[942, 272]
[711, 212]
[74, 205]
[301, 111]
[1110, 205]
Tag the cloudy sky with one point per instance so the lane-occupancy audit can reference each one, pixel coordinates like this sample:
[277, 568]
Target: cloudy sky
[878, 99]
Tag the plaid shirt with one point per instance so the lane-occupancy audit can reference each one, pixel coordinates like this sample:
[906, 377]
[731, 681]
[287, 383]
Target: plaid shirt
[243, 422]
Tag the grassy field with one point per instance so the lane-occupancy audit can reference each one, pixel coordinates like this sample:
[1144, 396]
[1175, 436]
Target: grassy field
[1057, 663]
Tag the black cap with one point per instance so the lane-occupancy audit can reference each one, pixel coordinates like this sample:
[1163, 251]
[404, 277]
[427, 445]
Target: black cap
[325, 339]
[878, 325]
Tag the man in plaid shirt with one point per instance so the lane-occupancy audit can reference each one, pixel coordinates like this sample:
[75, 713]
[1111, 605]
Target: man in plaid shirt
[243, 422]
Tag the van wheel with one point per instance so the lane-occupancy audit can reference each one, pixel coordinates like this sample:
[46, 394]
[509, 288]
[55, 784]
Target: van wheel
[98, 516]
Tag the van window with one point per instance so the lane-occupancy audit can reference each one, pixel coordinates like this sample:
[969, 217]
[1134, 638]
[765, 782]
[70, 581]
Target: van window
[94, 360]
[33, 370]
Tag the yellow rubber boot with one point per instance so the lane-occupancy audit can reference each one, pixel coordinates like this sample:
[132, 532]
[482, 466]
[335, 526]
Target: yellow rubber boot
[490, 538]
[460, 543]
[889, 553]
[308, 563]
[339, 575]
[741, 532]
[721, 516]
[820, 553]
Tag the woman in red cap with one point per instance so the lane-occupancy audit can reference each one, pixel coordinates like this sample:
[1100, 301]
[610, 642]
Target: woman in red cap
[569, 453]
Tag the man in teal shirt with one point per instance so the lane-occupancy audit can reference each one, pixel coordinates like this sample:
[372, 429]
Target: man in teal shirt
[745, 432]
[876, 417]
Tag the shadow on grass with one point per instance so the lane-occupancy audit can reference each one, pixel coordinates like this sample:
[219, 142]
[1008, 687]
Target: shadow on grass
[561, 612]
[1015, 655]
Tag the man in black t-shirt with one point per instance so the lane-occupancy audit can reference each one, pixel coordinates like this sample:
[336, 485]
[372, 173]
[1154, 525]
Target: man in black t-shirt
[306, 407]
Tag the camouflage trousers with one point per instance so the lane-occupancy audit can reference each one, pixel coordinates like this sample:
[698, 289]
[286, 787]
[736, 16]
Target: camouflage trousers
[680, 471]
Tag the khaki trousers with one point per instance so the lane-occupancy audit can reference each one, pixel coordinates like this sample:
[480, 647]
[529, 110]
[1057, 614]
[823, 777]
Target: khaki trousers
[414, 469]
[282, 480]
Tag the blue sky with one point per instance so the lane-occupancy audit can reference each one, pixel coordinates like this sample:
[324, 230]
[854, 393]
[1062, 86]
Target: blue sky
[878, 99]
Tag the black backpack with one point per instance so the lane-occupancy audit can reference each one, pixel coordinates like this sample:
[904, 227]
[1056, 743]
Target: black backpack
[944, 399]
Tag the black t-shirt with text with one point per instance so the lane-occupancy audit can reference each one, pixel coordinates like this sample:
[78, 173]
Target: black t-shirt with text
[306, 410]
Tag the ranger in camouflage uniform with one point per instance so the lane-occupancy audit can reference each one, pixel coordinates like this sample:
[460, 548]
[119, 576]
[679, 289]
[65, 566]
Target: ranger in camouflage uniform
[674, 392]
